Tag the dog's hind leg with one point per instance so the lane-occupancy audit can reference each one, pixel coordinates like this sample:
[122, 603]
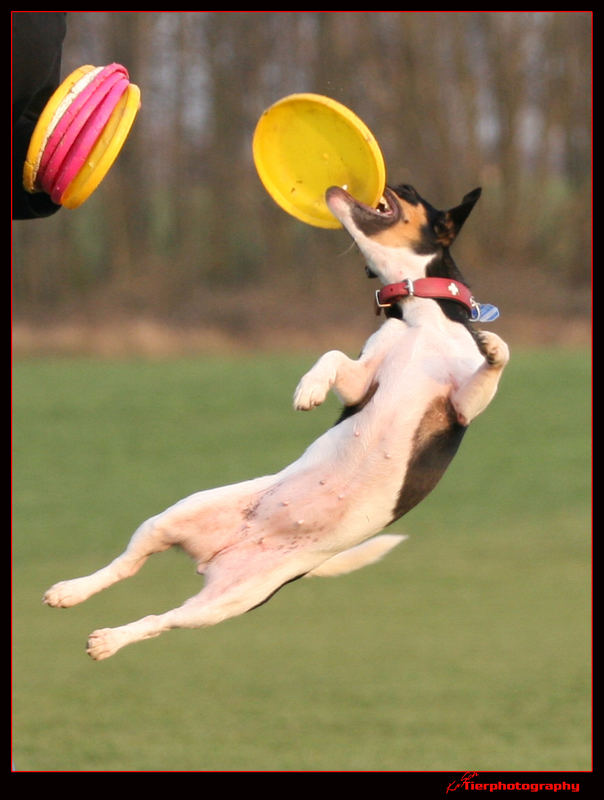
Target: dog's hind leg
[237, 582]
[473, 396]
[201, 524]
[148, 539]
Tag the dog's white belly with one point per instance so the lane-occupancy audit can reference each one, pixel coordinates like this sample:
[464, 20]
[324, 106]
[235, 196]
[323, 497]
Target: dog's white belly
[346, 485]
[352, 481]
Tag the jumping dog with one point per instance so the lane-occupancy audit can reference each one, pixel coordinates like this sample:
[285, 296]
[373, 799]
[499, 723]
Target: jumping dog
[420, 380]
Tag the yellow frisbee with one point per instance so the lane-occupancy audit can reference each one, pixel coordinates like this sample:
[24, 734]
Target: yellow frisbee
[305, 143]
[105, 151]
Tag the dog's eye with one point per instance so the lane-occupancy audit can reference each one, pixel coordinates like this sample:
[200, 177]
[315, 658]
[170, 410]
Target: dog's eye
[408, 193]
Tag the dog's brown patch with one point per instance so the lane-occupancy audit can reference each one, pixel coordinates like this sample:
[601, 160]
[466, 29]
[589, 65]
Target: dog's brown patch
[410, 229]
[436, 440]
[445, 230]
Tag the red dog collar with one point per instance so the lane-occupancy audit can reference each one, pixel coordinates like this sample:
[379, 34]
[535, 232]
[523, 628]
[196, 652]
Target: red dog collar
[436, 288]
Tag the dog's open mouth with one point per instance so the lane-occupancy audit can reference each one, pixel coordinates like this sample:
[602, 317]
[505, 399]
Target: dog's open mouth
[384, 207]
[365, 217]
[387, 206]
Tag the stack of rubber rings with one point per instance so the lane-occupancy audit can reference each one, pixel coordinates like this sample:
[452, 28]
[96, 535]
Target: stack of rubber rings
[80, 133]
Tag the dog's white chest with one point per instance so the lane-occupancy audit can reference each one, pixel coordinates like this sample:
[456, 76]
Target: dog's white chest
[354, 476]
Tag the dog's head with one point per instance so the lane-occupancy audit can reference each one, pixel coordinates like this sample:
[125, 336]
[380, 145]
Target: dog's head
[402, 236]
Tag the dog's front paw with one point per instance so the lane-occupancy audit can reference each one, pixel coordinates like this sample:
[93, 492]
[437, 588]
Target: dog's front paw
[310, 393]
[494, 349]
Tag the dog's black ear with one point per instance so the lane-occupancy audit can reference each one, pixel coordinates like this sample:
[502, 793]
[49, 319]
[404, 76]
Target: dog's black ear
[460, 213]
[449, 223]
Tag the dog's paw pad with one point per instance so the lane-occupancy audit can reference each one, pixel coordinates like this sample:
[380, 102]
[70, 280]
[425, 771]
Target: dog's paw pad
[102, 644]
[493, 348]
[64, 594]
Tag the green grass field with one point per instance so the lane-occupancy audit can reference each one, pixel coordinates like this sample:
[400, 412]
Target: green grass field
[469, 647]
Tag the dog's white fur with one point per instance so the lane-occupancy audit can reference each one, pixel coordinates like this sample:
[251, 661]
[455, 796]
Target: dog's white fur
[316, 516]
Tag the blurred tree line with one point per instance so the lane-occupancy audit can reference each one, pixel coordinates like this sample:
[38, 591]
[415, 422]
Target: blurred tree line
[455, 99]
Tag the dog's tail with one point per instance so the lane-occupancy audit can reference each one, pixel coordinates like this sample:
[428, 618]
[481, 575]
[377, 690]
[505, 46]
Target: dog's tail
[360, 556]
